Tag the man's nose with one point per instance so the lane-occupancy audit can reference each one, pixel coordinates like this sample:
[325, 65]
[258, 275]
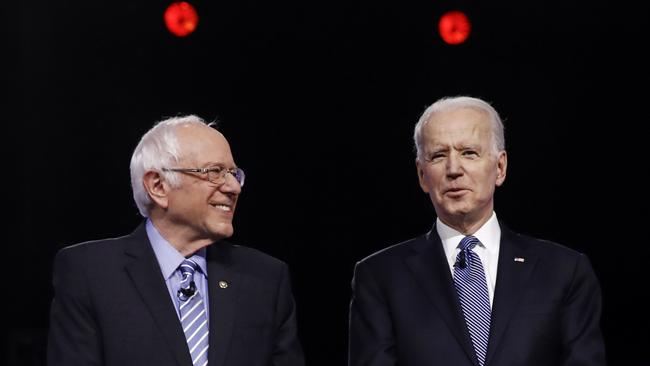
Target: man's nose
[454, 165]
[231, 185]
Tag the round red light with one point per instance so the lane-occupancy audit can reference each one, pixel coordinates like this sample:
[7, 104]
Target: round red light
[454, 27]
[181, 18]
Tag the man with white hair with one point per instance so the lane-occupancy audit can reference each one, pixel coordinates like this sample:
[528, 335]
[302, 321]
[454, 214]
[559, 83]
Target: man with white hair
[471, 292]
[174, 292]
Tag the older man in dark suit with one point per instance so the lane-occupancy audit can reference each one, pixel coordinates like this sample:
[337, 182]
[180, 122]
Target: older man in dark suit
[471, 291]
[174, 292]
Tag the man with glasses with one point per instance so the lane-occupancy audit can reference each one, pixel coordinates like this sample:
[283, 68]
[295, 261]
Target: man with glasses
[174, 292]
[471, 291]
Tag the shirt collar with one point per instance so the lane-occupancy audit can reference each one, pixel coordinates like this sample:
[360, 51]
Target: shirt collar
[168, 257]
[489, 235]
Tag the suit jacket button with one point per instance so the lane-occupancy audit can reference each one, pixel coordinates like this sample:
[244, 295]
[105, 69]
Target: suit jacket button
[223, 284]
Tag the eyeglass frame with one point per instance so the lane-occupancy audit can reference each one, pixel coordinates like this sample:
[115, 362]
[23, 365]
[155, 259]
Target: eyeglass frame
[218, 170]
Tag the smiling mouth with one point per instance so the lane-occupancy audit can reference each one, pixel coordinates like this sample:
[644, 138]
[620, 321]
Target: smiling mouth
[222, 207]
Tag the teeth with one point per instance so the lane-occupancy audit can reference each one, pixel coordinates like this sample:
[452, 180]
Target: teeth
[223, 207]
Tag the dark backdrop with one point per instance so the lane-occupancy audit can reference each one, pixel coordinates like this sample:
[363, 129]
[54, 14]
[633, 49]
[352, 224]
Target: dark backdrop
[318, 100]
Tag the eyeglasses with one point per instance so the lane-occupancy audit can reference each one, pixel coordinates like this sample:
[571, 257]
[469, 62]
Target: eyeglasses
[215, 174]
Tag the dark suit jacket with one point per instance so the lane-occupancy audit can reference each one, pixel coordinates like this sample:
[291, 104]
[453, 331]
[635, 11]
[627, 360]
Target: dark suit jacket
[546, 310]
[112, 307]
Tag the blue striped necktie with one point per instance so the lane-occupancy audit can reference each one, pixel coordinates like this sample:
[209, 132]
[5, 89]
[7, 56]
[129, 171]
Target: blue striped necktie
[193, 317]
[471, 286]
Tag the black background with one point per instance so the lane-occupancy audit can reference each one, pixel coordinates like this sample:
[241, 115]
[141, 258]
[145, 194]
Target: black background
[318, 100]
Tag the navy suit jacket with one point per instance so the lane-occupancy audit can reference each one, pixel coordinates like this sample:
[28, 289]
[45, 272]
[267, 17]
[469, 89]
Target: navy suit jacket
[112, 307]
[546, 309]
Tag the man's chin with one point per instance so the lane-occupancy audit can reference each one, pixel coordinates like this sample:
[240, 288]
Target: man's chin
[457, 209]
[222, 231]
[453, 215]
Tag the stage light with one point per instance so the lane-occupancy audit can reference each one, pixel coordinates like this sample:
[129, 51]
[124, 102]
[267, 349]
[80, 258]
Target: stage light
[454, 27]
[181, 18]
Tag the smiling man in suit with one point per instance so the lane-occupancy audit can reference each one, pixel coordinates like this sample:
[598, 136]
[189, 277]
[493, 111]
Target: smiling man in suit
[174, 292]
[471, 291]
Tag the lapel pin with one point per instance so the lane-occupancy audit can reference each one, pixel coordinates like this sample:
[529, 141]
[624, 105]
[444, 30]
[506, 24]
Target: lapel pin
[223, 284]
[519, 259]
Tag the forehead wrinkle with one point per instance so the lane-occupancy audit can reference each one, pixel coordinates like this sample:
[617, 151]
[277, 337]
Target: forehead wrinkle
[456, 138]
[442, 135]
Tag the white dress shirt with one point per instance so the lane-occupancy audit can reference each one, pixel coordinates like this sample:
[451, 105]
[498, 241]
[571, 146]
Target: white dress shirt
[489, 236]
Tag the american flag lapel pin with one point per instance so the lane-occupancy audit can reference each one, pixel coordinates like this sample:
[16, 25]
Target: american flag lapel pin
[519, 259]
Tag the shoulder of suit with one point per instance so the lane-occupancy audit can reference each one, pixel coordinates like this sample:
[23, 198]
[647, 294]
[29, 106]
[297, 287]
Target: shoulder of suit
[246, 254]
[395, 251]
[250, 262]
[94, 245]
[106, 245]
[544, 247]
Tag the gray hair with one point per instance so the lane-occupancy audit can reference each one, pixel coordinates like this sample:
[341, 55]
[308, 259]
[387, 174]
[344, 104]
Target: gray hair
[447, 104]
[158, 148]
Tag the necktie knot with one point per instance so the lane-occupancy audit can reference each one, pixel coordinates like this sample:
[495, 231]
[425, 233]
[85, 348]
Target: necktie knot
[466, 245]
[188, 288]
[468, 242]
[188, 267]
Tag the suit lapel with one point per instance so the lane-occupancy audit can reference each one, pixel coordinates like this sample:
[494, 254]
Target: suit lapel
[223, 285]
[431, 270]
[512, 277]
[147, 277]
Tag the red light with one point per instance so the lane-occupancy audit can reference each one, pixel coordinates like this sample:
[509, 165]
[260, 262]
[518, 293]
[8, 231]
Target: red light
[454, 27]
[181, 18]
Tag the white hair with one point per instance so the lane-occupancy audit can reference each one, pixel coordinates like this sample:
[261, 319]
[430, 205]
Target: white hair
[158, 148]
[447, 104]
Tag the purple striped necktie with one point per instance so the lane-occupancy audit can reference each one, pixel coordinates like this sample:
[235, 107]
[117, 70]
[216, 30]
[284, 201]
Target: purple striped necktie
[193, 316]
[471, 286]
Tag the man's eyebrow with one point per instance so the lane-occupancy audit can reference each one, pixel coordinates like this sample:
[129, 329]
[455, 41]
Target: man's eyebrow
[212, 164]
[438, 148]
[219, 165]
[470, 146]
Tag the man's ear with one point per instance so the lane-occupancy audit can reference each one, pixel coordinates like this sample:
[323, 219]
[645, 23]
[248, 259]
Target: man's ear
[502, 167]
[157, 188]
[420, 168]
